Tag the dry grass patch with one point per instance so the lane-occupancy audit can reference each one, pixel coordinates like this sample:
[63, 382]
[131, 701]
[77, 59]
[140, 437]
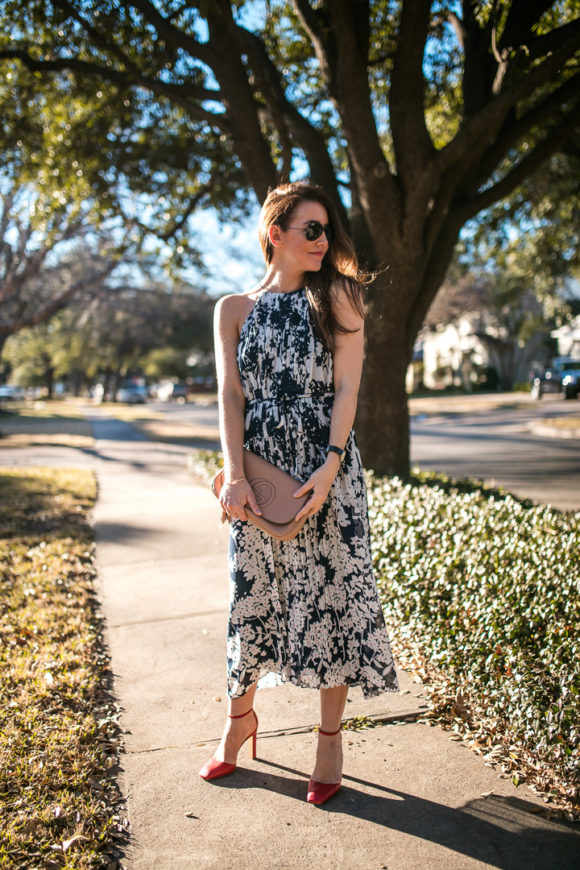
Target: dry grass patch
[562, 422]
[59, 736]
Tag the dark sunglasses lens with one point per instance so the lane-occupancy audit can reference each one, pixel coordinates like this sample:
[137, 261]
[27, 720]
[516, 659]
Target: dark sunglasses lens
[314, 230]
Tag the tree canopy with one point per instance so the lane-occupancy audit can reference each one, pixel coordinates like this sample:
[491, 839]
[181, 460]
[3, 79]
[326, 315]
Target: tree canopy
[414, 115]
[50, 254]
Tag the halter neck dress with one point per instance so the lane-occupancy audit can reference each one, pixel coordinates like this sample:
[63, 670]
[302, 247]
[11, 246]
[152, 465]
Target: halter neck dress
[304, 611]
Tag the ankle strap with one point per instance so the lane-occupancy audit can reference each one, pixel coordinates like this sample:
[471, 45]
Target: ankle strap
[329, 733]
[241, 715]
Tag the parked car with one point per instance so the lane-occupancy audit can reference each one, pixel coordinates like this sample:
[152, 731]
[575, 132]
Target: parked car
[132, 394]
[10, 393]
[172, 392]
[563, 376]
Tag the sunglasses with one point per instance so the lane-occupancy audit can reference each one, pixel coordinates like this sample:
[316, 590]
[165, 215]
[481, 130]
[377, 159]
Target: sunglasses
[314, 229]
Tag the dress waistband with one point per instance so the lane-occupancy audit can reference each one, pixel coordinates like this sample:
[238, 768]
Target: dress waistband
[289, 399]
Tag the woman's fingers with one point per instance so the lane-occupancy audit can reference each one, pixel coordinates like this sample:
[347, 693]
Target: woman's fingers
[253, 505]
[234, 505]
[310, 508]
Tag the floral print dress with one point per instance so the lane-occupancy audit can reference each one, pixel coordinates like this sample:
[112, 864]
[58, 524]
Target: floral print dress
[304, 611]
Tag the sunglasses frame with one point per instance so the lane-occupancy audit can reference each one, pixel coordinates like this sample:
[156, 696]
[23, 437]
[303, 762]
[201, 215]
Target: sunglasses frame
[318, 229]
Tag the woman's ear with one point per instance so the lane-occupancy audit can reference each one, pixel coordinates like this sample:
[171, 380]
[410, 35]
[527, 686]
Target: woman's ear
[275, 235]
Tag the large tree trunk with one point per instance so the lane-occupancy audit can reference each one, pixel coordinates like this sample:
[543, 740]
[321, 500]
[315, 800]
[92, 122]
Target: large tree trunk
[383, 416]
[398, 301]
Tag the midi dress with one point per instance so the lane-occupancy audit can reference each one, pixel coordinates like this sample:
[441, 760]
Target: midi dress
[304, 611]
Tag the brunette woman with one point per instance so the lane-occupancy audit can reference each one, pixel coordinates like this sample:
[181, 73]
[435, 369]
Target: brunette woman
[289, 358]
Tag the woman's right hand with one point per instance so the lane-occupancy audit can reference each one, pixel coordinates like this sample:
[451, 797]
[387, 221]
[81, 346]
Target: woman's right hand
[235, 496]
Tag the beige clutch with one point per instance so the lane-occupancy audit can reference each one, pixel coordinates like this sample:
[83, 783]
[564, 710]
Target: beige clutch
[273, 489]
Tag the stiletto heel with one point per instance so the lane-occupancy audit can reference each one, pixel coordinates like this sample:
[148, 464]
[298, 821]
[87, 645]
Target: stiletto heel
[216, 768]
[320, 792]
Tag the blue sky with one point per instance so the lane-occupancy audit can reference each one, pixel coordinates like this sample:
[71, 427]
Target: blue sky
[232, 253]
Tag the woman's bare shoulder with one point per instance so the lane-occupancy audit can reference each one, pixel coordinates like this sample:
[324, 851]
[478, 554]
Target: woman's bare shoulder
[232, 310]
[234, 304]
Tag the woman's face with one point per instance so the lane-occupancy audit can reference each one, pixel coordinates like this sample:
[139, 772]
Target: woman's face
[294, 246]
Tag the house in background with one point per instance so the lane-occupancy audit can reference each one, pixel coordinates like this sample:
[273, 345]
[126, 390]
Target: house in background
[568, 338]
[468, 342]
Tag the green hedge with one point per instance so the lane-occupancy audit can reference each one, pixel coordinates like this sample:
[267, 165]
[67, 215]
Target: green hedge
[486, 589]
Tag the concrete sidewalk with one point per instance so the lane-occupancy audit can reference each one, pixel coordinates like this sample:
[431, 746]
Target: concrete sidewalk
[411, 797]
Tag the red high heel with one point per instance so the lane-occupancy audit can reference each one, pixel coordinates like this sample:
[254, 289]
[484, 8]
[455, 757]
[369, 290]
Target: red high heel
[216, 768]
[320, 792]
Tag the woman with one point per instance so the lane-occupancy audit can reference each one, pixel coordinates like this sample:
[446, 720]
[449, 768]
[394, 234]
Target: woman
[289, 357]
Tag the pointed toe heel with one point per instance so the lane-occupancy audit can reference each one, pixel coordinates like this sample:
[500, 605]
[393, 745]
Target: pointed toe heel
[214, 768]
[320, 792]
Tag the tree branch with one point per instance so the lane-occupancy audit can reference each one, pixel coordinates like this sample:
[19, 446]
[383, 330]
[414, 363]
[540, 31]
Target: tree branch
[8, 327]
[187, 211]
[172, 34]
[379, 191]
[313, 23]
[526, 166]
[242, 110]
[520, 20]
[481, 129]
[517, 129]
[96, 35]
[547, 42]
[413, 146]
[457, 25]
[303, 132]
[178, 94]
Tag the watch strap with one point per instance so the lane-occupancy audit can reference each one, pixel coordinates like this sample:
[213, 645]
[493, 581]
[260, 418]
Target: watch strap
[332, 448]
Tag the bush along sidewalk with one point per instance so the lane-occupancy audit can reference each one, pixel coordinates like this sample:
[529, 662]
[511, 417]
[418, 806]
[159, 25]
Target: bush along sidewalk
[482, 596]
[59, 734]
[481, 593]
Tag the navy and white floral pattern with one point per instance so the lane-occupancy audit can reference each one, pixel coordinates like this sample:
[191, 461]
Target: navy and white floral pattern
[304, 611]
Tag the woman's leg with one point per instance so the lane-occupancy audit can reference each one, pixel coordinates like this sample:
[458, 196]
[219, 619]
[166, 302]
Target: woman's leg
[237, 730]
[328, 767]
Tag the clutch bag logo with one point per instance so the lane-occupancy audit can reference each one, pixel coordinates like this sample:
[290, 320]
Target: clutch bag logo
[264, 491]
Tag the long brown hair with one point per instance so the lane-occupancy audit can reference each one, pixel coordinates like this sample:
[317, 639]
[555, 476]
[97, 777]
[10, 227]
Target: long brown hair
[340, 262]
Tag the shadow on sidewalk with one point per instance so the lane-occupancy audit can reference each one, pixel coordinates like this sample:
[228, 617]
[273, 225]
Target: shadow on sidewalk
[502, 832]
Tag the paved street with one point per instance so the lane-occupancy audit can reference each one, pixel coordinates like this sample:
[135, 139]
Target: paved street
[499, 447]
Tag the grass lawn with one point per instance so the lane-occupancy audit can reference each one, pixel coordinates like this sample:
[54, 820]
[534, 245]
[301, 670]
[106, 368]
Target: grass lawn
[59, 735]
[562, 422]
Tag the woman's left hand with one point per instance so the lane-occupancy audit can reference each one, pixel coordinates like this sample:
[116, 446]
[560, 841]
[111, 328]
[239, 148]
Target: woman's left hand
[319, 484]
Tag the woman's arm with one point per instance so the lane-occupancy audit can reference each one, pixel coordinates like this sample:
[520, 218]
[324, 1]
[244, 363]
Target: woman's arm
[236, 491]
[347, 366]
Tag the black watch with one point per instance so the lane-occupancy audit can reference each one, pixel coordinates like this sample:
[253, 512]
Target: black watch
[332, 448]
